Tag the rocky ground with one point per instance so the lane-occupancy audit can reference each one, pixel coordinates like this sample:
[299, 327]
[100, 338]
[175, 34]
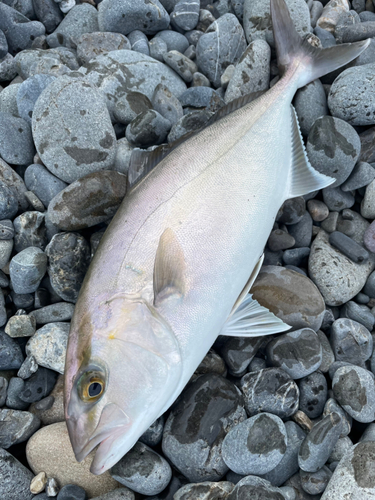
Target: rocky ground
[287, 417]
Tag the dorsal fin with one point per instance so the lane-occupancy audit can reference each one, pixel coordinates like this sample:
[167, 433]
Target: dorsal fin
[142, 162]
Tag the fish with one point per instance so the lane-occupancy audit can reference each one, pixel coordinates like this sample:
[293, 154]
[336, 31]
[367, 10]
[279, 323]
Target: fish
[174, 268]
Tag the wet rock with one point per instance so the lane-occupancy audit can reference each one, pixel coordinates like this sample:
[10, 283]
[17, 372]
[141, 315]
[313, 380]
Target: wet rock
[291, 296]
[147, 129]
[48, 346]
[256, 445]
[91, 45]
[292, 211]
[194, 431]
[313, 394]
[16, 478]
[16, 426]
[360, 313]
[328, 355]
[351, 341]
[27, 269]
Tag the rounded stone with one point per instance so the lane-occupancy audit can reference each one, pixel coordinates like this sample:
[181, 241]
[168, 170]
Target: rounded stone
[61, 311]
[238, 352]
[16, 426]
[313, 394]
[28, 93]
[351, 341]
[16, 141]
[86, 143]
[49, 450]
[8, 202]
[154, 433]
[16, 478]
[315, 483]
[291, 296]
[91, 45]
[174, 40]
[48, 346]
[51, 408]
[255, 488]
[147, 129]
[292, 211]
[71, 492]
[256, 445]
[15, 182]
[30, 231]
[41, 182]
[310, 103]
[128, 106]
[333, 148]
[27, 269]
[204, 491]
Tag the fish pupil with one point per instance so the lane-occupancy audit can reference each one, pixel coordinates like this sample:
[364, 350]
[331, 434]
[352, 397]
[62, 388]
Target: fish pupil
[95, 389]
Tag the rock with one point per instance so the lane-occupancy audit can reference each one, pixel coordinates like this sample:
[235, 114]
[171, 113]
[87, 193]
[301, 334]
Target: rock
[117, 494]
[367, 145]
[139, 42]
[362, 174]
[28, 93]
[69, 257]
[318, 210]
[238, 352]
[45, 185]
[48, 346]
[55, 62]
[251, 73]
[338, 278]
[123, 17]
[8, 202]
[22, 300]
[38, 483]
[123, 156]
[16, 142]
[328, 356]
[337, 200]
[91, 45]
[20, 325]
[15, 388]
[368, 202]
[8, 101]
[38, 386]
[143, 470]
[256, 487]
[154, 433]
[299, 353]
[15, 484]
[157, 48]
[3, 45]
[28, 368]
[6, 230]
[331, 14]
[280, 240]
[71, 492]
[313, 394]
[147, 129]
[181, 64]
[369, 238]
[3, 390]
[185, 14]
[188, 123]
[296, 257]
[30, 231]
[302, 231]
[51, 409]
[49, 450]
[256, 445]
[359, 313]
[194, 431]
[204, 491]
[81, 147]
[333, 148]
[174, 40]
[34, 201]
[314, 483]
[348, 247]
[27, 269]
[12, 179]
[18, 29]
[222, 44]
[292, 211]
[79, 20]
[165, 103]
[349, 98]
[353, 387]
[88, 201]
[16, 426]
[129, 106]
[342, 447]
[48, 12]
[270, 390]
[61, 311]
[291, 296]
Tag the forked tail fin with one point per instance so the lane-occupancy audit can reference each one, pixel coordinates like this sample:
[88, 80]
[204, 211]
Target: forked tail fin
[309, 62]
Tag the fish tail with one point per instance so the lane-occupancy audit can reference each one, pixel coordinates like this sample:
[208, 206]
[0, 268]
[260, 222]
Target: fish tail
[297, 55]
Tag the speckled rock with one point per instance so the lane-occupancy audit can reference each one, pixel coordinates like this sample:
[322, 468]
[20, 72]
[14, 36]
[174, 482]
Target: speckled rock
[48, 346]
[174, 40]
[20, 325]
[49, 450]
[28, 93]
[16, 426]
[188, 123]
[255, 487]
[338, 278]
[61, 311]
[368, 202]
[8, 202]
[91, 45]
[310, 103]
[332, 406]
[351, 341]
[204, 491]
[167, 104]
[313, 394]
[256, 445]
[87, 143]
[362, 174]
[8, 100]
[44, 184]
[215, 406]
[238, 352]
[291, 296]
[9, 177]
[154, 433]
[16, 142]
[147, 129]
[292, 211]
[15, 484]
[54, 62]
[27, 269]
[29, 231]
[11, 357]
[181, 64]
[314, 483]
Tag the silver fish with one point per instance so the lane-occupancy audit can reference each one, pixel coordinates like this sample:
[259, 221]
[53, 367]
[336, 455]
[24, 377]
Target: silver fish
[175, 266]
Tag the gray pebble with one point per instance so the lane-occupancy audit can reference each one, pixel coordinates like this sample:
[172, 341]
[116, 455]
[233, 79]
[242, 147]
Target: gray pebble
[28, 368]
[359, 313]
[154, 433]
[16, 426]
[328, 355]
[28, 93]
[292, 211]
[147, 129]
[362, 174]
[337, 200]
[6, 230]
[351, 341]
[90, 45]
[34, 201]
[280, 240]
[61, 311]
[348, 247]
[238, 352]
[369, 288]
[16, 142]
[256, 445]
[22, 300]
[204, 491]
[123, 155]
[3, 390]
[139, 42]
[27, 269]
[20, 325]
[201, 97]
[318, 210]
[15, 388]
[48, 12]
[30, 231]
[255, 487]
[310, 103]
[174, 40]
[52, 62]
[11, 357]
[185, 14]
[368, 202]
[188, 123]
[358, 31]
[200, 80]
[330, 223]
[6, 247]
[128, 106]
[167, 104]
[342, 447]
[44, 184]
[157, 48]
[313, 394]
[296, 256]
[16, 478]
[8, 69]
[302, 231]
[181, 64]
[368, 434]
[315, 483]
[8, 99]
[3, 45]
[8, 202]
[332, 406]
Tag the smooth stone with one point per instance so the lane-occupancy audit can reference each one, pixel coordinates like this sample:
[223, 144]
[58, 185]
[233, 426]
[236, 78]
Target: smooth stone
[362, 174]
[28, 93]
[368, 434]
[71, 492]
[6, 230]
[69, 257]
[271, 390]
[238, 352]
[16, 478]
[360, 313]
[157, 48]
[129, 106]
[319, 443]
[48, 12]
[181, 64]
[125, 16]
[348, 247]
[16, 426]
[351, 341]
[88, 201]
[123, 156]
[200, 80]
[15, 388]
[280, 240]
[313, 394]
[251, 73]
[222, 44]
[185, 14]
[342, 447]
[338, 278]
[139, 42]
[328, 355]
[44, 184]
[257, 488]
[3, 45]
[55, 62]
[337, 200]
[174, 40]
[296, 257]
[315, 483]
[367, 145]
[81, 147]
[91, 45]
[256, 445]
[318, 210]
[48, 346]
[143, 470]
[291, 296]
[61, 311]
[30, 231]
[8, 202]
[204, 491]
[368, 202]
[369, 238]
[147, 129]
[34, 201]
[38, 386]
[27, 269]
[49, 450]
[211, 363]
[20, 326]
[15, 182]
[154, 433]
[302, 231]
[167, 104]
[299, 353]
[16, 142]
[51, 408]
[194, 431]
[353, 387]
[38, 483]
[22, 300]
[8, 100]
[188, 123]
[292, 211]
[118, 494]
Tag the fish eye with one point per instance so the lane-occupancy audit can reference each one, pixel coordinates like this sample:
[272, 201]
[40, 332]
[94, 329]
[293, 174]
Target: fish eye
[91, 386]
[95, 389]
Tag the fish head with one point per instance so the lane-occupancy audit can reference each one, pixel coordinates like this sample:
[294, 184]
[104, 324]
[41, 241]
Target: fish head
[123, 365]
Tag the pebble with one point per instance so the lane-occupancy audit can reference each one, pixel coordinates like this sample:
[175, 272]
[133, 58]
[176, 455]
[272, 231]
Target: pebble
[351, 341]
[52, 62]
[16, 478]
[328, 355]
[15, 388]
[368, 202]
[292, 211]
[38, 483]
[367, 145]
[28, 367]
[222, 44]
[121, 494]
[204, 491]
[369, 238]
[139, 42]
[342, 447]
[174, 40]
[61, 311]
[129, 106]
[188, 123]
[72, 492]
[8, 102]
[310, 103]
[338, 278]
[147, 129]
[313, 394]
[251, 73]
[167, 104]
[30, 231]
[48, 346]
[143, 470]
[52, 487]
[256, 487]
[157, 48]
[337, 200]
[318, 210]
[27, 269]
[302, 231]
[333, 147]
[44, 184]
[8, 69]
[256, 445]
[353, 387]
[201, 97]
[22, 300]
[28, 93]
[185, 14]
[51, 408]
[280, 240]
[354, 474]
[200, 80]
[154, 433]
[315, 483]
[299, 353]
[359, 313]
[88, 201]
[3, 390]
[319, 443]
[16, 426]
[48, 13]
[49, 450]
[69, 257]
[16, 142]
[20, 325]
[13, 180]
[6, 230]
[199, 421]
[368, 434]
[8, 202]
[123, 155]
[3, 45]
[348, 247]
[291, 296]
[362, 174]
[296, 257]
[38, 386]
[34, 201]
[91, 45]
[238, 352]
[181, 64]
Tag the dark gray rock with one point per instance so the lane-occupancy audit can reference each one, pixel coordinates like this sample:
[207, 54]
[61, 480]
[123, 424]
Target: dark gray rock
[315, 483]
[38, 386]
[238, 352]
[11, 357]
[80, 147]
[139, 42]
[69, 257]
[16, 478]
[91, 45]
[27, 269]
[154, 433]
[147, 129]
[201, 97]
[15, 388]
[71, 492]
[8, 69]
[362, 174]
[3, 45]
[48, 346]
[336, 200]
[8, 202]
[44, 184]
[29, 91]
[128, 106]
[348, 247]
[313, 394]
[48, 12]
[22, 300]
[16, 142]
[143, 470]
[181, 64]
[256, 487]
[271, 390]
[222, 44]
[194, 431]
[296, 256]
[188, 123]
[204, 491]
[167, 104]
[256, 445]
[359, 313]
[174, 40]
[351, 341]
[185, 14]
[292, 211]
[3, 390]
[123, 17]
[302, 231]
[61, 311]
[6, 230]
[280, 240]
[28, 367]
[20, 325]
[16, 426]
[358, 31]
[55, 62]
[30, 231]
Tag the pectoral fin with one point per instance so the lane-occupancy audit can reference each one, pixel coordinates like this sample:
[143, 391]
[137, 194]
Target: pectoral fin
[248, 285]
[250, 319]
[169, 268]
